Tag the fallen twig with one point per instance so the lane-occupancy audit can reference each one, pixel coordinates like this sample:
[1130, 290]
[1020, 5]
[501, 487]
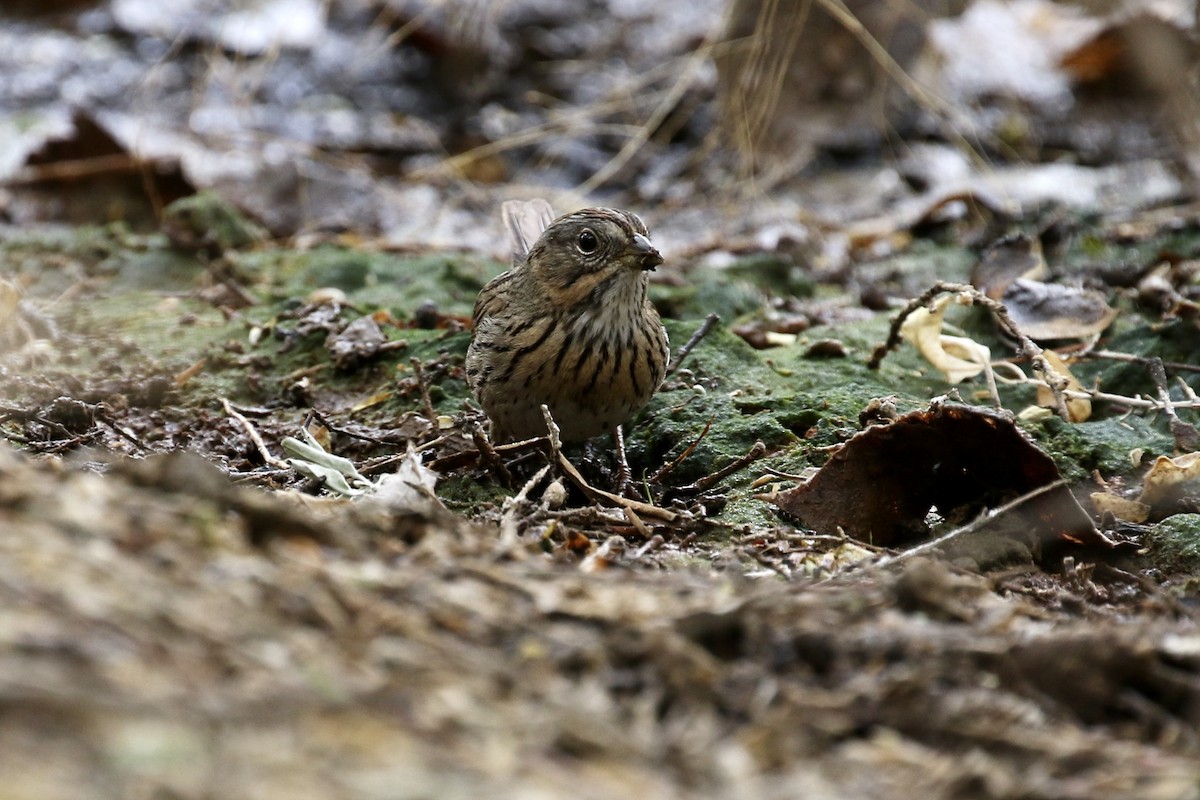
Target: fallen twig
[708, 481]
[973, 525]
[1027, 347]
[254, 437]
[426, 401]
[1134, 402]
[709, 323]
[488, 455]
[670, 467]
[1110, 355]
[509, 531]
[636, 522]
[644, 509]
[1186, 436]
[117, 429]
[456, 460]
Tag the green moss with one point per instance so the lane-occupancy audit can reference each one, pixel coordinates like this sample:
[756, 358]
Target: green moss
[341, 269]
[469, 495]
[382, 280]
[1095, 248]
[148, 320]
[205, 220]
[1101, 445]
[1175, 544]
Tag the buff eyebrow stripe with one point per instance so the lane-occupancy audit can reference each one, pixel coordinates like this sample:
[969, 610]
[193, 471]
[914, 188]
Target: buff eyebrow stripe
[527, 349]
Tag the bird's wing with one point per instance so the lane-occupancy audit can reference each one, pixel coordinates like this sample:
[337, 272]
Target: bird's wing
[525, 220]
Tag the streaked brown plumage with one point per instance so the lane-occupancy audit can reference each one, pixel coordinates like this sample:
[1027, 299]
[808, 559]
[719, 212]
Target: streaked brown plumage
[569, 326]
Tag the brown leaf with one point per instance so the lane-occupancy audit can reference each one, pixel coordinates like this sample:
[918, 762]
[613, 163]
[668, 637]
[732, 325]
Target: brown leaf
[879, 487]
[1050, 311]
[1010, 258]
[1170, 483]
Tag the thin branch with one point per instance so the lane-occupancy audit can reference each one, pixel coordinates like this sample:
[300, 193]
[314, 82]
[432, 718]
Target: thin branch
[1110, 355]
[254, 437]
[426, 401]
[670, 467]
[709, 323]
[687, 76]
[488, 455]
[642, 509]
[509, 529]
[708, 481]
[972, 526]
[1027, 347]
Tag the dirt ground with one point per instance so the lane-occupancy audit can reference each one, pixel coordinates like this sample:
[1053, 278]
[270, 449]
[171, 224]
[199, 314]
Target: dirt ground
[168, 635]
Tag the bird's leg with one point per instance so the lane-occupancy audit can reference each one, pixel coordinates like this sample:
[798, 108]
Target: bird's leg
[623, 472]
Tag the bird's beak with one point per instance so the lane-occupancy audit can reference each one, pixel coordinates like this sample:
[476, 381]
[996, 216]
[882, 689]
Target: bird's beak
[648, 256]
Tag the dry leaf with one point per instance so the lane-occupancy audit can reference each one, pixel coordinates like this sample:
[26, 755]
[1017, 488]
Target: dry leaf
[1007, 260]
[881, 484]
[956, 357]
[1168, 479]
[1045, 311]
[1078, 408]
[1120, 507]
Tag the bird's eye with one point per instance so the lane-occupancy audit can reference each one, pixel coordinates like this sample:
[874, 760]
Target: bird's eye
[588, 243]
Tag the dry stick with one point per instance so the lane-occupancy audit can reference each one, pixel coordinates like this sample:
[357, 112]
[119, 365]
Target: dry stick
[1111, 355]
[324, 421]
[624, 474]
[74, 169]
[122, 433]
[656, 541]
[1186, 436]
[972, 526]
[645, 509]
[1049, 376]
[425, 399]
[687, 76]
[709, 323]
[456, 460]
[667, 469]
[251, 432]
[637, 523]
[491, 459]
[708, 481]
[554, 432]
[314, 414]
[563, 123]
[781, 474]
[1159, 376]
[508, 520]
[1118, 399]
[989, 377]
[918, 92]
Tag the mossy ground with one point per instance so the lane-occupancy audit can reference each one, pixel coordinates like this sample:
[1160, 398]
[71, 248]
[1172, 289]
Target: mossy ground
[136, 306]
